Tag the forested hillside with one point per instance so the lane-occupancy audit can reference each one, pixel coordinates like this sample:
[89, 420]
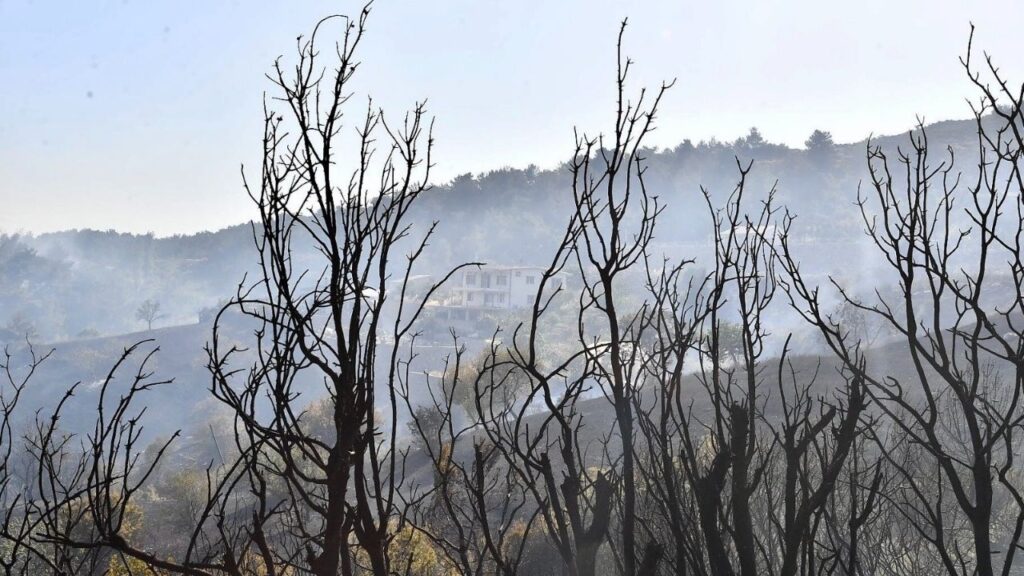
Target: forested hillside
[60, 286]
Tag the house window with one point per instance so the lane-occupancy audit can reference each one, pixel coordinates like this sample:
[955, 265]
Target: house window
[501, 298]
[488, 299]
[469, 297]
[501, 280]
[519, 273]
[471, 279]
[530, 279]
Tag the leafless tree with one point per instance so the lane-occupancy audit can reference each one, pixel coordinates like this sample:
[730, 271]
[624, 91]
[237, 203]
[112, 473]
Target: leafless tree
[742, 454]
[148, 312]
[328, 321]
[16, 526]
[84, 489]
[475, 510]
[675, 434]
[616, 216]
[576, 480]
[955, 249]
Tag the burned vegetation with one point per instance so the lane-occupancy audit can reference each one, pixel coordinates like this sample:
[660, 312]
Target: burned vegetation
[641, 416]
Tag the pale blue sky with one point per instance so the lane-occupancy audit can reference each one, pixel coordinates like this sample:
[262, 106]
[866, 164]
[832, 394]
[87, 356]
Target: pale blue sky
[135, 115]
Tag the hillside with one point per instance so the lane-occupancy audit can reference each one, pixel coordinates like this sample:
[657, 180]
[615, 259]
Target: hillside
[79, 284]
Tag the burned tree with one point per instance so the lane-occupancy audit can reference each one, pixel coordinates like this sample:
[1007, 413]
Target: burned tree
[325, 323]
[615, 219]
[476, 510]
[741, 454]
[585, 483]
[671, 433]
[17, 526]
[83, 489]
[953, 244]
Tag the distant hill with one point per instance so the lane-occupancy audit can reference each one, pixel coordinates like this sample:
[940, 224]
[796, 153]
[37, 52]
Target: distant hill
[82, 283]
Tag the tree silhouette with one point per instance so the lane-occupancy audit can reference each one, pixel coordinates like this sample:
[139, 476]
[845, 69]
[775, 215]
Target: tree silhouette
[148, 312]
[643, 419]
[819, 141]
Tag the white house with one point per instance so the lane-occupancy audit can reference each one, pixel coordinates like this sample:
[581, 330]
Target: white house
[494, 287]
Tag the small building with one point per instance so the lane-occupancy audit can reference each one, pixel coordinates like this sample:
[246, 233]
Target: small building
[494, 287]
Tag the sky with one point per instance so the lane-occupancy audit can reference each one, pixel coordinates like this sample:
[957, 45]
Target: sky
[138, 115]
